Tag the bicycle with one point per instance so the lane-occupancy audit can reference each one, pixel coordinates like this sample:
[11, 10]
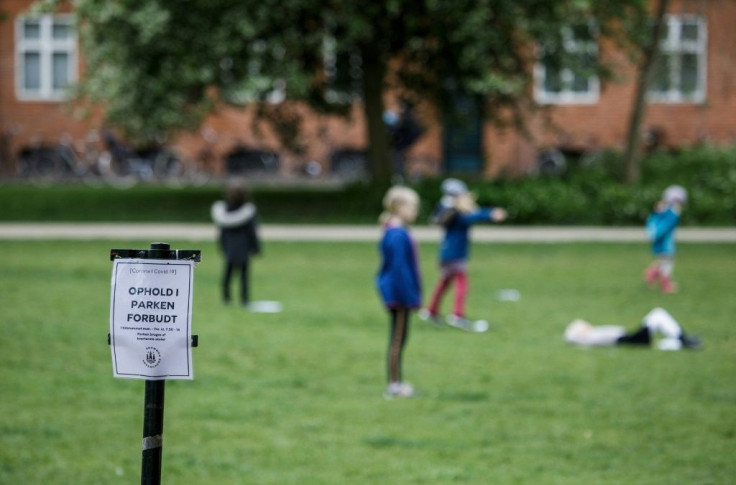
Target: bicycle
[43, 164]
[124, 167]
[199, 170]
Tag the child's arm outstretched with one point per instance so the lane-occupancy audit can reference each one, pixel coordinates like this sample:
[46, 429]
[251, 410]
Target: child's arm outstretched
[493, 214]
[498, 214]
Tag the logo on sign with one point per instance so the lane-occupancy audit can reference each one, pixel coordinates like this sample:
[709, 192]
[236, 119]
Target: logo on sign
[152, 358]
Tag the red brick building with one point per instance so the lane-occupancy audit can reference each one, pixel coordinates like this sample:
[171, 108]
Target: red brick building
[693, 99]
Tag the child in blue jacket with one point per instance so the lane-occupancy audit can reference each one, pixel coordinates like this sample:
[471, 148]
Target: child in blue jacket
[398, 280]
[457, 213]
[661, 225]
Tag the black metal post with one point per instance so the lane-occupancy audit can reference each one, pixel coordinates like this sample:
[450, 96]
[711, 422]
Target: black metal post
[153, 432]
[153, 410]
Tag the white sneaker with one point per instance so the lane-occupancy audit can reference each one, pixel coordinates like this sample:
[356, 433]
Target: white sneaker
[459, 322]
[425, 315]
[406, 390]
[477, 326]
[398, 389]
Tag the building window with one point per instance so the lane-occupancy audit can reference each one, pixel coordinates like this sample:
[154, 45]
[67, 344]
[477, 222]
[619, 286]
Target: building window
[572, 81]
[46, 57]
[679, 73]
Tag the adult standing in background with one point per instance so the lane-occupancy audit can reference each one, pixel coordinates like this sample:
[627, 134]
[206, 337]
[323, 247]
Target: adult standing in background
[236, 218]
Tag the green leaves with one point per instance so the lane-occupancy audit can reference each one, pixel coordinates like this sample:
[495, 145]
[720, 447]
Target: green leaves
[153, 64]
[151, 22]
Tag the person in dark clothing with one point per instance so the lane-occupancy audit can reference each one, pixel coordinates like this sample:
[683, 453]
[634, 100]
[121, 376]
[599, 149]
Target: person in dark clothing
[404, 129]
[237, 221]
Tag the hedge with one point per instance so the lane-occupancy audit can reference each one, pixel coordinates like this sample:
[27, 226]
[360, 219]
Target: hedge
[588, 193]
[591, 191]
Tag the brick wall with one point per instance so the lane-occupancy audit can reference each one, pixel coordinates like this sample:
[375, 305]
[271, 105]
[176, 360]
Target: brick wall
[29, 121]
[581, 126]
[605, 123]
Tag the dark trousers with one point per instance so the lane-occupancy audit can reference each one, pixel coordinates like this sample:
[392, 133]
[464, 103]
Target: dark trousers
[399, 335]
[244, 281]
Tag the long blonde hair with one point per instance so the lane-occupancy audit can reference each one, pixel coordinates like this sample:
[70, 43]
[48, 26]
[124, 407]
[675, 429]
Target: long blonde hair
[465, 203]
[396, 197]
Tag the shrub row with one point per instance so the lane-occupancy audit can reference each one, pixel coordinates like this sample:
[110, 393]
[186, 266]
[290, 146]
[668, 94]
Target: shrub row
[591, 192]
[588, 193]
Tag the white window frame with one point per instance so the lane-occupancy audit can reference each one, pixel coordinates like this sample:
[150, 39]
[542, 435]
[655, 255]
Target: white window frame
[567, 95]
[674, 45]
[46, 46]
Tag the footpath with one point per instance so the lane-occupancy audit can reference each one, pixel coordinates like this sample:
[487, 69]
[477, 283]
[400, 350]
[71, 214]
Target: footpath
[276, 232]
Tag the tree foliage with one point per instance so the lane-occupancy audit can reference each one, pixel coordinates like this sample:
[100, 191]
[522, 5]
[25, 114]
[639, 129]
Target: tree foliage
[160, 66]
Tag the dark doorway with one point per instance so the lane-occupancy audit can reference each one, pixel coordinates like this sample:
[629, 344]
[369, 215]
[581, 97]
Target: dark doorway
[462, 140]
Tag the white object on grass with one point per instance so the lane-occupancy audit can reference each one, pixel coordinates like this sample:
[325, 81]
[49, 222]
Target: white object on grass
[580, 332]
[669, 343]
[476, 326]
[265, 306]
[509, 294]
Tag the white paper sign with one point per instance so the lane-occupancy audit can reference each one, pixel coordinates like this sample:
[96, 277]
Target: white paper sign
[151, 319]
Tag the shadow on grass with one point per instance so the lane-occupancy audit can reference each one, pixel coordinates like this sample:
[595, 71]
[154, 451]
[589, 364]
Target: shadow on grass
[393, 442]
[463, 396]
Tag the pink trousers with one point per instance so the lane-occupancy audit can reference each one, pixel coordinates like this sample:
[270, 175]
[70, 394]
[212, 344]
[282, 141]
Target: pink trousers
[460, 277]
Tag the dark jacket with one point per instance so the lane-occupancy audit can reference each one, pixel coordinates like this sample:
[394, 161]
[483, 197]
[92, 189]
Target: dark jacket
[456, 242]
[238, 232]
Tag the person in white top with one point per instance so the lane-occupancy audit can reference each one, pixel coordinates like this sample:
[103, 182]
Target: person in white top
[656, 326]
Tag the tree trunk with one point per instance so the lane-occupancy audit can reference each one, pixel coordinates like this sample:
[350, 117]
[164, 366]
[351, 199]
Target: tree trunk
[379, 156]
[633, 144]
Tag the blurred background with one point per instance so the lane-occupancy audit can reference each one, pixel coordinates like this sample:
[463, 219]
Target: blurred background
[566, 112]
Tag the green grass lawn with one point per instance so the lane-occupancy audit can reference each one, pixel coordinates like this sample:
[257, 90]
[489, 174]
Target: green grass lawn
[295, 398]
